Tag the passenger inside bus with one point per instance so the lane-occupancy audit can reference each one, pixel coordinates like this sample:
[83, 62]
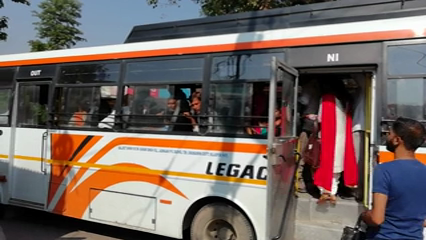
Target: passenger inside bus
[262, 124]
[348, 89]
[79, 118]
[174, 117]
[199, 123]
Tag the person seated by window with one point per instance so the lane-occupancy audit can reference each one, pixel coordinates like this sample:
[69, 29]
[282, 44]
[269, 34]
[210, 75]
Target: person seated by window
[79, 118]
[174, 118]
[199, 123]
[261, 129]
[109, 120]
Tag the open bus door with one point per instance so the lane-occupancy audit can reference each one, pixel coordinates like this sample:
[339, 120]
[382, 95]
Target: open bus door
[282, 160]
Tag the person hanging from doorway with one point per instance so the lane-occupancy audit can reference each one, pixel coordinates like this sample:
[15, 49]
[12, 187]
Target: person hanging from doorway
[309, 102]
[337, 148]
[358, 128]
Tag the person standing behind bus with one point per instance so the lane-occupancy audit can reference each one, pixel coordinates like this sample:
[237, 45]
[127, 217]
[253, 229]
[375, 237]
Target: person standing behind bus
[399, 186]
[337, 148]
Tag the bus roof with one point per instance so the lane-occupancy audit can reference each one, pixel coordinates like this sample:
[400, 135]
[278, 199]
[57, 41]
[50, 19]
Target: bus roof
[316, 24]
[290, 17]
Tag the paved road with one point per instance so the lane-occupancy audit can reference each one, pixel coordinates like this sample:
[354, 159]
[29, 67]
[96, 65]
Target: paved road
[24, 224]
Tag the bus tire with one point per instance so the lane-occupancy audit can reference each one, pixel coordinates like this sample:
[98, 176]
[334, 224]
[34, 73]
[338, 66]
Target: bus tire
[221, 221]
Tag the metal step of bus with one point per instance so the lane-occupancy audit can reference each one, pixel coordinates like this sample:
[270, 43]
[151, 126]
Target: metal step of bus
[309, 230]
[344, 213]
[26, 204]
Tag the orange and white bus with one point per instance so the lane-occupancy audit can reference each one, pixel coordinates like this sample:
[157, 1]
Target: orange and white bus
[166, 132]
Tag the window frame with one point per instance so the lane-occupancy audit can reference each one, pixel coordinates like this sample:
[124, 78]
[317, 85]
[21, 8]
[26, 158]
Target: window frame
[282, 51]
[60, 66]
[253, 52]
[130, 130]
[159, 59]
[204, 82]
[123, 84]
[29, 83]
[57, 84]
[11, 87]
[54, 112]
[387, 77]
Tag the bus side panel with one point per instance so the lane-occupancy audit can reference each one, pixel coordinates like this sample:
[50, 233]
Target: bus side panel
[157, 178]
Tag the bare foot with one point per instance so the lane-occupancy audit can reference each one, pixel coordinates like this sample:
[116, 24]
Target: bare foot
[324, 198]
[333, 199]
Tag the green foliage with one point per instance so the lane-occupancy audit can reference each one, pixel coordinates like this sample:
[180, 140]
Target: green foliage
[4, 20]
[58, 24]
[39, 112]
[222, 7]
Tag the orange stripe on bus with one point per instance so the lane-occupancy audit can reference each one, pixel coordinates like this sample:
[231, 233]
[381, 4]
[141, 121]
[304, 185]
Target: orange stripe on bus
[64, 146]
[388, 157]
[331, 39]
[168, 202]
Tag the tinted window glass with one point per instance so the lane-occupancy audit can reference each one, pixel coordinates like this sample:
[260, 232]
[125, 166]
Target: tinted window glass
[244, 66]
[407, 59]
[406, 98]
[4, 105]
[231, 103]
[90, 73]
[85, 107]
[160, 108]
[32, 105]
[6, 76]
[181, 70]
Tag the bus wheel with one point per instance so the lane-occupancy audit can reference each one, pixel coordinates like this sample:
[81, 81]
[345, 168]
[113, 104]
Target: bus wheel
[220, 221]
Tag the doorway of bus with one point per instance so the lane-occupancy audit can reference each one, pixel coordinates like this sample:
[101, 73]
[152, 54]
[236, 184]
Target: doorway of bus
[360, 85]
[30, 153]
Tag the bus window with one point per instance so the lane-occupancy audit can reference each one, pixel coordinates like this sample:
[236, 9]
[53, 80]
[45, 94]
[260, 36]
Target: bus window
[165, 71]
[89, 73]
[160, 94]
[78, 104]
[158, 108]
[32, 106]
[83, 106]
[405, 86]
[148, 107]
[407, 60]
[231, 102]
[6, 83]
[243, 66]
[406, 97]
[4, 106]
[239, 93]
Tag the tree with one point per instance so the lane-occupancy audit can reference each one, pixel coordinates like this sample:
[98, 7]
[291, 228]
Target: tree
[222, 7]
[58, 25]
[4, 19]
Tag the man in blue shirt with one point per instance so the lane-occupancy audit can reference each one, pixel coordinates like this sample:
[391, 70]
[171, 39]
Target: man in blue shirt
[399, 187]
